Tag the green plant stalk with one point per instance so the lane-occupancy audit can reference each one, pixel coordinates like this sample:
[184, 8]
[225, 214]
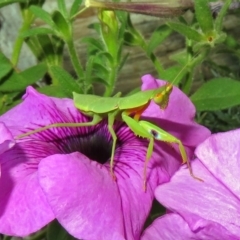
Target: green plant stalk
[189, 80]
[156, 64]
[112, 79]
[78, 13]
[77, 65]
[195, 61]
[159, 68]
[188, 84]
[40, 235]
[7, 237]
[27, 21]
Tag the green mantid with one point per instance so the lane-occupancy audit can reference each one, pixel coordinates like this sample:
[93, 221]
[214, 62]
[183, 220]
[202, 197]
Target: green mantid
[127, 109]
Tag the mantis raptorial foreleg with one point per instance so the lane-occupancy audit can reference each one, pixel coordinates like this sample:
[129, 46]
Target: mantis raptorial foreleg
[161, 135]
[140, 131]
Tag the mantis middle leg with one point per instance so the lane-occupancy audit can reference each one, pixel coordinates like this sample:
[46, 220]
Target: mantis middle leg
[96, 119]
[140, 131]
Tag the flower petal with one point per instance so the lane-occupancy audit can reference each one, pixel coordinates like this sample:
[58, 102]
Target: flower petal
[194, 200]
[6, 139]
[23, 205]
[172, 226]
[83, 196]
[38, 110]
[220, 153]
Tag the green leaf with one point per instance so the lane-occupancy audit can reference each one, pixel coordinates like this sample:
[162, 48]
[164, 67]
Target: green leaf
[158, 36]
[34, 73]
[220, 16]
[8, 101]
[56, 231]
[174, 74]
[37, 31]
[100, 70]
[107, 56]
[5, 64]
[7, 2]
[204, 15]
[75, 7]
[63, 27]
[67, 83]
[100, 80]
[97, 43]
[47, 48]
[131, 39]
[219, 93]
[122, 62]
[186, 31]
[62, 7]
[19, 81]
[43, 15]
[53, 91]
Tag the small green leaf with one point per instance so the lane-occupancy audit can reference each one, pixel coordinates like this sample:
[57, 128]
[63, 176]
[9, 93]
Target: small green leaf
[158, 36]
[89, 69]
[7, 2]
[44, 48]
[36, 31]
[204, 15]
[75, 7]
[62, 7]
[8, 101]
[67, 83]
[220, 16]
[186, 31]
[97, 43]
[43, 15]
[100, 80]
[100, 70]
[219, 93]
[123, 60]
[5, 64]
[106, 55]
[63, 27]
[131, 39]
[174, 74]
[54, 91]
[34, 73]
[19, 81]
[56, 231]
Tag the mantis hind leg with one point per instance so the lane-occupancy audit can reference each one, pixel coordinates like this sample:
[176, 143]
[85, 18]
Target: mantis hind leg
[96, 119]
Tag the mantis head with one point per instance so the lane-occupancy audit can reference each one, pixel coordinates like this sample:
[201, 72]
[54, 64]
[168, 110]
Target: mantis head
[161, 96]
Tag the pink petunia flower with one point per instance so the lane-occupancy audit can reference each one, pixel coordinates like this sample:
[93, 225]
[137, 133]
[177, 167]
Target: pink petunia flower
[63, 173]
[207, 210]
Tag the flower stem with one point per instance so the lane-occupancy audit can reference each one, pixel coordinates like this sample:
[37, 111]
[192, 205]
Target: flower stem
[111, 80]
[7, 237]
[40, 235]
[159, 68]
[27, 20]
[76, 64]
